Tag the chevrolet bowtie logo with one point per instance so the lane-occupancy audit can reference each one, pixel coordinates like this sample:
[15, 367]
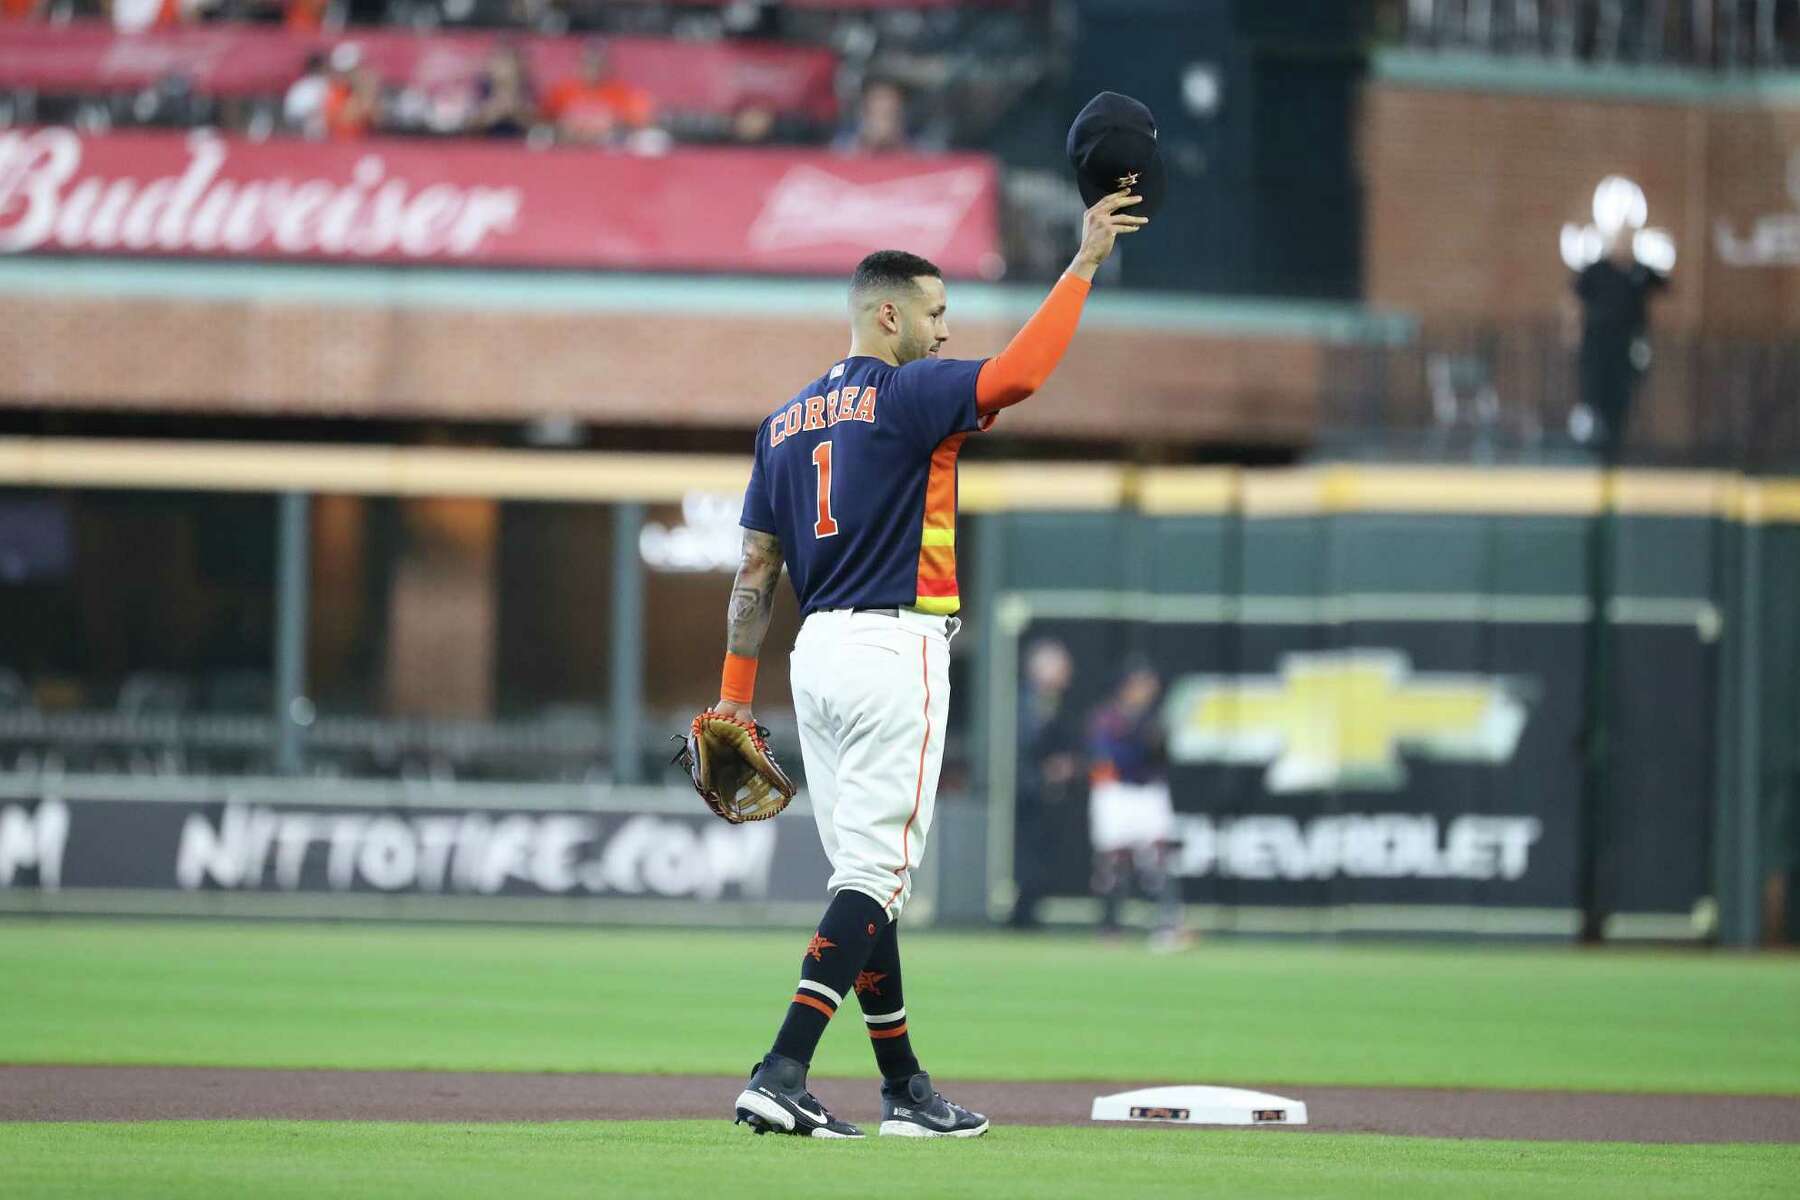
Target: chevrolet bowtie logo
[1342, 719]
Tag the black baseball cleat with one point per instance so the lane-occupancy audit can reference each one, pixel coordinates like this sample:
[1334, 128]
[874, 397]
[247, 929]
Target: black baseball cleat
[776, 1101]
[913, 1108]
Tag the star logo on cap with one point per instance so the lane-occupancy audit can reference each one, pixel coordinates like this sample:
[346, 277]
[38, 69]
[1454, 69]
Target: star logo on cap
[1130, 180]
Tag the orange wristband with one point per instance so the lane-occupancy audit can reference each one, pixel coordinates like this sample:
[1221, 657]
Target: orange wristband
[738, 683]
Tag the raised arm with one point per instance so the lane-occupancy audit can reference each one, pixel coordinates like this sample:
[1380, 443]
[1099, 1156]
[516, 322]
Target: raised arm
[747, 619]
[1024, 366]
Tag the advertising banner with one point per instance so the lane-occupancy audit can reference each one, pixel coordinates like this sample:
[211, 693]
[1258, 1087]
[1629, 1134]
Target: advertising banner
[174, 194]
[1405, 763]
[245, 60]
[464, 846]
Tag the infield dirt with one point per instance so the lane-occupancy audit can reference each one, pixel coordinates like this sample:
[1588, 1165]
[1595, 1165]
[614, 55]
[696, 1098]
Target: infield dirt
[100, 1093]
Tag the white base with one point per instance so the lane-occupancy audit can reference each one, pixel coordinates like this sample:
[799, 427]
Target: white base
[1195, 1105]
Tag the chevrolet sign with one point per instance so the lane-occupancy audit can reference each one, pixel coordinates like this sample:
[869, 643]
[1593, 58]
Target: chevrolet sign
[1342, 719]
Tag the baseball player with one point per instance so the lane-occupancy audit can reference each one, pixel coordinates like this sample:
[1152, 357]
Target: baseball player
[1131, 818]
[854, 487]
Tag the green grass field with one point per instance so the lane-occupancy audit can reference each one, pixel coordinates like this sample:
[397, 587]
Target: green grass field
[691, 1001]
[690, 1158]
[677, 1001]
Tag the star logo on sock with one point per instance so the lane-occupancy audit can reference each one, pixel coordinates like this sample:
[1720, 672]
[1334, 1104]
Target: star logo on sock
[866, 981]
[817, 947]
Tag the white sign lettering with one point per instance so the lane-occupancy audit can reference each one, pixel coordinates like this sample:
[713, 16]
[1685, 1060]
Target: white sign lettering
[252, 847]
[45, 202]
[811, 207]
[1772, 240]
[34, 841]
[709, 537]
[1356, 846]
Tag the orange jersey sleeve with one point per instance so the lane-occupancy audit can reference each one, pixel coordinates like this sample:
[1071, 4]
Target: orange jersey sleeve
[1021, 369]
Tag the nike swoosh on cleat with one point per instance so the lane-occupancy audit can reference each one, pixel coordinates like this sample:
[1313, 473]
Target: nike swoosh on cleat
[820, 1117]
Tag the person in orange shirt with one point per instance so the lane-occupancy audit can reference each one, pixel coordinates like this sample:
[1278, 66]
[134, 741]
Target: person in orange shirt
[594, 107]
[352, 97]
[20, 10]
[304, 16]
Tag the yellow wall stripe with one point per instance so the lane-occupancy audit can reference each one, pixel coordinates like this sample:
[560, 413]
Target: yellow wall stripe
[603, 477]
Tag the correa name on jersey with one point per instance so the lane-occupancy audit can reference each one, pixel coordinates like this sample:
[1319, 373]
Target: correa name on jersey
[856, 475]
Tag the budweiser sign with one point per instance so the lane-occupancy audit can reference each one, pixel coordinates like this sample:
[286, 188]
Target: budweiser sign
[811, 206]
[46, 202]
[730, 210]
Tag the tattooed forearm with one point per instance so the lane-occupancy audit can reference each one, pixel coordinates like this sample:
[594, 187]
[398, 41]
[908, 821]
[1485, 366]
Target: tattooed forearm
[753, 595]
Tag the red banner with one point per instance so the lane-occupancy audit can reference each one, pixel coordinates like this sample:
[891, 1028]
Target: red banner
[200, 194]
[715, 77]
[847, 5]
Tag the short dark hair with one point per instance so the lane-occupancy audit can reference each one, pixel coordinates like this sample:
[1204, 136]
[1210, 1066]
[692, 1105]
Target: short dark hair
[888, 269]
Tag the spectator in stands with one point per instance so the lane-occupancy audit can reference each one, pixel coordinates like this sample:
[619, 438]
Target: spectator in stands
[305, 16]
[353, 97]
[303, 108]
[1614, 298]
[504, 104]
[755, 19]
[753, 123]
[880, 122]
[594, 107]
[135, 16]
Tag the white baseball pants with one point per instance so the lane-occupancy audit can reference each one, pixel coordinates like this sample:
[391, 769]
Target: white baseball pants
[871, 693]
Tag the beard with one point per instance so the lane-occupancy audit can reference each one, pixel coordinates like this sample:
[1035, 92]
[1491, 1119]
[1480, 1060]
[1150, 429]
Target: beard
[912, 347]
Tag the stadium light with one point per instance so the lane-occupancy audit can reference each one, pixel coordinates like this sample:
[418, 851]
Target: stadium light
[1619, 204]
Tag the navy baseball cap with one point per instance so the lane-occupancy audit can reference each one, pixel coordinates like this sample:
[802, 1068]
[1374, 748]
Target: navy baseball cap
[1112, 144]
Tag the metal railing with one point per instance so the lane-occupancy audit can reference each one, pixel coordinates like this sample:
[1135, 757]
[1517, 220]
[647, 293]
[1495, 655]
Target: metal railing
[1494, 393]
[1724, 34]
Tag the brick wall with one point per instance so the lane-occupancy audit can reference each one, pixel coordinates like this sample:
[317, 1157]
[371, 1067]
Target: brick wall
[296, 358]
[1467, 193]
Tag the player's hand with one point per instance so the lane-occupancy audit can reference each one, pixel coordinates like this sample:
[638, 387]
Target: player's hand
[1103, 224]
[732, 708]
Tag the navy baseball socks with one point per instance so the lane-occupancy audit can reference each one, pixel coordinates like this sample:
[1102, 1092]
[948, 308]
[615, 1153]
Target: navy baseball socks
[910, 1106]
[852, 925]
[776, 1099]
[856, 948]
[884, 1008]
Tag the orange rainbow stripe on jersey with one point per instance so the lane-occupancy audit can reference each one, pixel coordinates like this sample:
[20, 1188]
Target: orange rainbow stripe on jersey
[936, 587]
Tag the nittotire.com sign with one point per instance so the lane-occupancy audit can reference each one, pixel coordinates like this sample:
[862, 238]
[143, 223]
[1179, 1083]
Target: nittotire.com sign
[56, 846]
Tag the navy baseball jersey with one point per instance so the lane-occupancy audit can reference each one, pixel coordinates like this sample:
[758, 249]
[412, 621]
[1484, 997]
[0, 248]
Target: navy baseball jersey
[1124, 748]
[857, 477]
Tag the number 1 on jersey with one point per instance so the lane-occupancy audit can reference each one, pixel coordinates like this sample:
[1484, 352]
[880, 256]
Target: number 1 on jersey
[825, 526]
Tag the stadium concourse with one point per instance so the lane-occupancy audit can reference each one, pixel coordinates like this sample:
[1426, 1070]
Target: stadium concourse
[31, 1093]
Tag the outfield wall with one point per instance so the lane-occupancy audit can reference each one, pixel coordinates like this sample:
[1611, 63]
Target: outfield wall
[1385, 684]
[1381, 687]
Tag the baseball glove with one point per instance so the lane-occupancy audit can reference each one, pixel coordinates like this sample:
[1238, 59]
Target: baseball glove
[733, 769]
